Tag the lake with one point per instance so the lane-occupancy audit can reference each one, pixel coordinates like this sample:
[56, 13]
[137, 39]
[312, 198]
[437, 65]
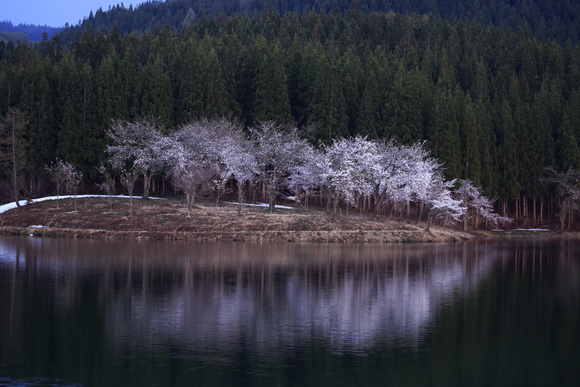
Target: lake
[151, 313]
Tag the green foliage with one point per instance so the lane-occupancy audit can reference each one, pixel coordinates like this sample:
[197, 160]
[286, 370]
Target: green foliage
[327, 109]
[444, 136]
[109, 90]
[471, 136]
[13, 158]
[272, 99]
[405, 106]
[370, 115]
[37, 102]
[157, 96]
[352, 75]
[568, 150]
[507, 155]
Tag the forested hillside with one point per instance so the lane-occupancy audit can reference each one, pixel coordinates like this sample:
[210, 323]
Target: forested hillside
[494, 107]
[557, 20]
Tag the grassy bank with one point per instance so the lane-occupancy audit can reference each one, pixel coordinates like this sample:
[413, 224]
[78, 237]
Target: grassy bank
[166, 219]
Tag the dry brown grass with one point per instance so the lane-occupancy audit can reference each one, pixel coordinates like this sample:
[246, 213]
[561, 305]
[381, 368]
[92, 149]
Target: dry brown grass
[166, 219]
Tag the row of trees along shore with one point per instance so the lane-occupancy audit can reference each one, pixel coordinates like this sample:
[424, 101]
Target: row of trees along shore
[218, 156]
[495, 108]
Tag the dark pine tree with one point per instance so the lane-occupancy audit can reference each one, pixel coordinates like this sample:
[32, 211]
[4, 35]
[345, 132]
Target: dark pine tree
[271, 101]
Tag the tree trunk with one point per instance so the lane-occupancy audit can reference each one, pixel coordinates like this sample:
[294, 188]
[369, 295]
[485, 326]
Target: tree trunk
[189, 205]
[240, 197]
[525, 210]
[377, 205]
[421, 209]
[14, 169]
[272, 191]
[335, 206]
[146, 184]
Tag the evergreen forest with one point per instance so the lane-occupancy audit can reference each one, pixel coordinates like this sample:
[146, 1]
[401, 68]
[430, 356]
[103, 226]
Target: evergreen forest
[496, 104]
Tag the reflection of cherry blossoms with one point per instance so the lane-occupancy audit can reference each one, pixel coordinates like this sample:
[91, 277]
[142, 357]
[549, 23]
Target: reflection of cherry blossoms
[345, 306]
[211, 301]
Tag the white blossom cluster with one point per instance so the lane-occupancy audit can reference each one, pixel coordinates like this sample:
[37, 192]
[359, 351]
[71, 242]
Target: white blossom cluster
[217, 154]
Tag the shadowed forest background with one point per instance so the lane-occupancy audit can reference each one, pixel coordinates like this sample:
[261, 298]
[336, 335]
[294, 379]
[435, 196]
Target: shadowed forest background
[496, 97]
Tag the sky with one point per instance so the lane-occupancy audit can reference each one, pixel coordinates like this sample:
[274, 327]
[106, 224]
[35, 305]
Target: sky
[54, 13]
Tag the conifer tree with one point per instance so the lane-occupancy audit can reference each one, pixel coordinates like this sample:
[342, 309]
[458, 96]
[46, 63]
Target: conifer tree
[470, 134]
[480, 85]
[13, 150]
[92, 137]
[11, 76]
[37, 103]
[215, 98]
[295, 71]
[543, 127]
[327, 110]
[487, 150]
[527, 60]
[509, 187]
[157, 96]
[404, 107]
[444, 135]
[529, 150]
[228, 60]
[369, 120]
[352, 75]
[272, 100]
[302, 83]
[109, 91]
[245, 81]
[190, 102]
[69, 145]
[131, 87]
[568, 149]
[569, 135]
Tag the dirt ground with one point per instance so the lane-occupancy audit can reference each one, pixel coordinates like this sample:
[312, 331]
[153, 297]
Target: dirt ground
[166, 219]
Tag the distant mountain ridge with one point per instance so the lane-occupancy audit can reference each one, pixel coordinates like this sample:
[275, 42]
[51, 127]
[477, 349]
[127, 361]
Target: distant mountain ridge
[14, 33]
[546, 20]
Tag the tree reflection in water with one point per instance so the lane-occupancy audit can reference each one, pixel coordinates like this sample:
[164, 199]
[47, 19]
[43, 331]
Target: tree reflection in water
[207, 295]
[210, 303]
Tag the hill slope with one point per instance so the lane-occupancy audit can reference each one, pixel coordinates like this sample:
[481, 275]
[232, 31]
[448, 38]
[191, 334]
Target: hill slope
[552, 20]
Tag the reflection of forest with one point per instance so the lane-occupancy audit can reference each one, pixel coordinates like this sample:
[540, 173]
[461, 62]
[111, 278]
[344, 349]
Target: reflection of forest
[206, 296]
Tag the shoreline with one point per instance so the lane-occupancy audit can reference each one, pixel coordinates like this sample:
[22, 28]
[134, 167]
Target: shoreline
[320, 236]
[165, 219]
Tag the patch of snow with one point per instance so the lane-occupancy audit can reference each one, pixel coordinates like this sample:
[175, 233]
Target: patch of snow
[262, 205]
[37, 226]
[531, 229]
[12, 205]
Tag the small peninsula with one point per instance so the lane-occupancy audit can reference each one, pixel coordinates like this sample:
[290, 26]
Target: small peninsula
[166, 219]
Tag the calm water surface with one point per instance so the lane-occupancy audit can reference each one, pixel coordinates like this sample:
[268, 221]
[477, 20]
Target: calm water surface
[146, 313]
